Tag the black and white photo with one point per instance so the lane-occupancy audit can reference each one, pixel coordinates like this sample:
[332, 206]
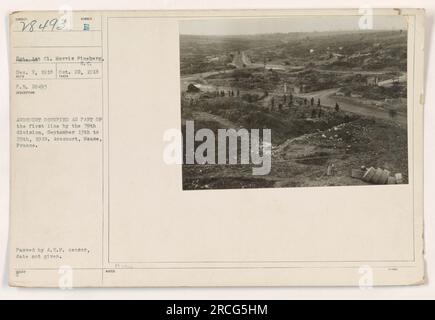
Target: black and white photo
[332, 93]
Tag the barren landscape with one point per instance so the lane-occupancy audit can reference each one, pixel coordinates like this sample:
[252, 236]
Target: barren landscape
[336, 104]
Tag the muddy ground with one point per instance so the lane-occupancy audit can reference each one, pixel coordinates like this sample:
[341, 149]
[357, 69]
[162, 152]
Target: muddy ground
[303, 147]
[248, 84]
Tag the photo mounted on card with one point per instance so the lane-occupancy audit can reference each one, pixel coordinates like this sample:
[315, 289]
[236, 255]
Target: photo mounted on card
[217, 148]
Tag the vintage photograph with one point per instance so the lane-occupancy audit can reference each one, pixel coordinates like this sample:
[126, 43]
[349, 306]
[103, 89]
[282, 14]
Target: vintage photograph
[300, 101]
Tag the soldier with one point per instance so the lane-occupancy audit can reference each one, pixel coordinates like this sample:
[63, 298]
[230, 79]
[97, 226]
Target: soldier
[330, 171]
[318, 102]
[337, 107]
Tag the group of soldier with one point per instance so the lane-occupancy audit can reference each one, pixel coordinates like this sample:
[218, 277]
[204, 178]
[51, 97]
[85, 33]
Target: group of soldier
[229, 93]
[286, 99]
[289, 100]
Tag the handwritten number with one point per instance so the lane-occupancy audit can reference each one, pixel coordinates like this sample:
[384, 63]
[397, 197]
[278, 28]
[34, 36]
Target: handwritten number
[43, 26]
[50, 24]
[62, 24]
[28, 26]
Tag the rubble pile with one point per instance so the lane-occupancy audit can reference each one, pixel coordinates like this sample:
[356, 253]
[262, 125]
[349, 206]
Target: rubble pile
[344, 136]
[377, 176]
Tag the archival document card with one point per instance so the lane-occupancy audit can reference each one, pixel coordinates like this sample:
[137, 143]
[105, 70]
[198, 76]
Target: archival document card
[217, 148]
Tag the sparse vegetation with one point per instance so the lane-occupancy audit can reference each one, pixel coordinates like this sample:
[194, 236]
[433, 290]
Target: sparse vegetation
[312, 91]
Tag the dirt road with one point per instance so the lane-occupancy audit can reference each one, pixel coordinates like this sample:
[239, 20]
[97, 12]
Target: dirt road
[362, 72]
[328, 99]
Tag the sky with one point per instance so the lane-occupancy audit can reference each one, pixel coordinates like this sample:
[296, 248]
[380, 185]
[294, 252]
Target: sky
[245, 26]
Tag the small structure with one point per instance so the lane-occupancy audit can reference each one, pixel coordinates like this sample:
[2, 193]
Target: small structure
[191, 88]
[372, 81]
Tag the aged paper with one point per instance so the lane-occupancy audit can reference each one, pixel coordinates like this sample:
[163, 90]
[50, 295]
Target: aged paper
[217, 148]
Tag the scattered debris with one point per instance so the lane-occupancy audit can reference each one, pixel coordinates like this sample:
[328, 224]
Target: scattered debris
[376, 176]
[357, 173]
[391, 180]
[399, 178]
[368, 175]
[379, 176]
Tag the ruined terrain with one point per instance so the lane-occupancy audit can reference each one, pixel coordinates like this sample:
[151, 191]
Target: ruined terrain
[334, 102]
